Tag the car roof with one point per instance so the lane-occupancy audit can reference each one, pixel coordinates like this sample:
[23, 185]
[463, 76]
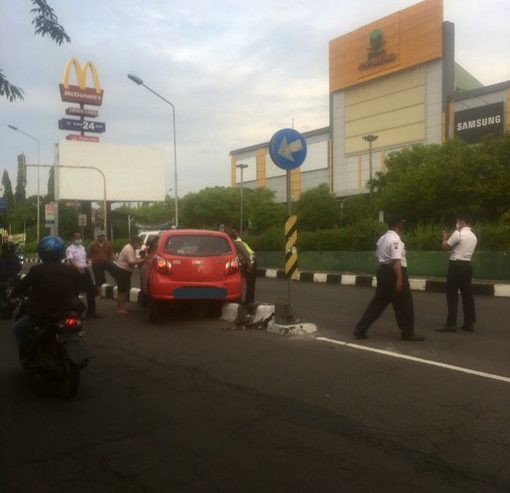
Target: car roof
[188, 232]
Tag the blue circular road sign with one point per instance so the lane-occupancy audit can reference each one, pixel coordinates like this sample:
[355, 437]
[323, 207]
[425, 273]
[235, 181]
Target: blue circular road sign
[287, 149]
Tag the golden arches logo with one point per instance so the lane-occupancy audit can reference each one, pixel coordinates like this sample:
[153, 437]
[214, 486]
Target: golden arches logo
[81, 74]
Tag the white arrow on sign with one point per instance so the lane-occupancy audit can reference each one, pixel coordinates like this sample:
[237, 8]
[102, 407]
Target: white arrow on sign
[286, 150]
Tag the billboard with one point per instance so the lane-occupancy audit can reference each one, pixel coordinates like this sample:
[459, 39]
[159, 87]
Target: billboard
[473, 124]
[133, 173]
[395, 43]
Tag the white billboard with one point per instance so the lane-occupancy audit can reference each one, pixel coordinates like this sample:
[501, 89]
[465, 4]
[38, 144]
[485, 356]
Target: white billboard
[133, 173]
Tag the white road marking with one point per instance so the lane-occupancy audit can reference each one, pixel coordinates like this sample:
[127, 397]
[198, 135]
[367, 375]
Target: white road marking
[417, 360]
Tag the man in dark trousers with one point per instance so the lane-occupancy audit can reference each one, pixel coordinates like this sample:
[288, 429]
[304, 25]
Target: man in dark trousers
[248, 266]
[392, 284]
[462, 244]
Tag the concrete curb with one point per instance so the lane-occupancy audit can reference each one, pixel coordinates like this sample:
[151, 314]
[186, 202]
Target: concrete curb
[365, 280]
[110, 291]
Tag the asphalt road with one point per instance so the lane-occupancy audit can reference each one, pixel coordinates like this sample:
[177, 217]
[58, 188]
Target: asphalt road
[189, 405]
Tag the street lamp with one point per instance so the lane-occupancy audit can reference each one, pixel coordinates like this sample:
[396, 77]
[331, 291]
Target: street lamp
[242, 167]
[370, 138]
[139, 81]
[16, 129]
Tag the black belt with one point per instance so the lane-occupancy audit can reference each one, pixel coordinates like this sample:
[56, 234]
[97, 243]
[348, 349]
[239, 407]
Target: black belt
[390, 265]
[461, 261]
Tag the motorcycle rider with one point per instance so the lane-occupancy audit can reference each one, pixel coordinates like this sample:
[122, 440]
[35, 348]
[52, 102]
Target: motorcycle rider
[52, 288]
[9, 262]
[9, 269]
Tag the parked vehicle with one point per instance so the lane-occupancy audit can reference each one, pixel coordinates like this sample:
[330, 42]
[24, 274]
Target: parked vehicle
[146, 238]
[55, 360]
[190, 265]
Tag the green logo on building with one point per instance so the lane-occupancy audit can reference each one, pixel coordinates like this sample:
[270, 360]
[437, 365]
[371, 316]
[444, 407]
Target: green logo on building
[376, 53]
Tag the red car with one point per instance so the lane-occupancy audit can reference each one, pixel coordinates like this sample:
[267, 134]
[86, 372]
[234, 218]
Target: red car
[189, 264]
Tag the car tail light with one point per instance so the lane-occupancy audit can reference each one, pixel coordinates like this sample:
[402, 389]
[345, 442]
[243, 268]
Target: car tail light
[163, 266]
[232, 266]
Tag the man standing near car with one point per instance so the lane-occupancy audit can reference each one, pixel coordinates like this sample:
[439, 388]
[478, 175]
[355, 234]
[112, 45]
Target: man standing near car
[392, 284]
[101, 256]
[248, 266]
[462, 244]
[126, 263]
[76, 255]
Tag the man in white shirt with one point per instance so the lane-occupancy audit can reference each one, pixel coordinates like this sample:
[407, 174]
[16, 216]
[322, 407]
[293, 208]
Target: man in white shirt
[462, 244]
[392, 284]
[76, 255]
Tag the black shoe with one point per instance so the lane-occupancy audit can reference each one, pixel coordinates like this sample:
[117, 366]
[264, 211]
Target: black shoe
[412, 337]
[359, 335]
[447, 328]
[468, 328]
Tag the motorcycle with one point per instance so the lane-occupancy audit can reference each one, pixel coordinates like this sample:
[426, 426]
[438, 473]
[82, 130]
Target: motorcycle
[6, 306]
[55, 359]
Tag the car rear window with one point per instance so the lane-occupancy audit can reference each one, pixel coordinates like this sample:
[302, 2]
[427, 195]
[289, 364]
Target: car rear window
[197, 245]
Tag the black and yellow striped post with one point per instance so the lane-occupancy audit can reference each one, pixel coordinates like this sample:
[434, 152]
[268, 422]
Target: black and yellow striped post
[291, 256]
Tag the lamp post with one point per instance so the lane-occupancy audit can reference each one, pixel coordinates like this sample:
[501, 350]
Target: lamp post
[370, 138]
[242, 167]
[16, 129]
[139, 81]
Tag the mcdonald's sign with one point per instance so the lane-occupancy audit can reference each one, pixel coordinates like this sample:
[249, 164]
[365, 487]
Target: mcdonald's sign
[80, 93]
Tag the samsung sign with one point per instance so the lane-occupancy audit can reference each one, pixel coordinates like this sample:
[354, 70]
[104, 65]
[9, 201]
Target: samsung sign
[473, 124]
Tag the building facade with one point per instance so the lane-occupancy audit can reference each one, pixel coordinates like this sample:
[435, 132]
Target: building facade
[393, 84]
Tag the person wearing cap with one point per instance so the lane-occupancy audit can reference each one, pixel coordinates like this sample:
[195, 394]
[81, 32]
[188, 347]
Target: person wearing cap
[392, 284]
[101, 257]
[248, 266]
[461, 243]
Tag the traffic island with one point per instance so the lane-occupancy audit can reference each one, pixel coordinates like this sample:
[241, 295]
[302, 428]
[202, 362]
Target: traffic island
[261, 316]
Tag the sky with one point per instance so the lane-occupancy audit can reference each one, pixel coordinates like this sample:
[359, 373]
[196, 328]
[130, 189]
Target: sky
[236, 72]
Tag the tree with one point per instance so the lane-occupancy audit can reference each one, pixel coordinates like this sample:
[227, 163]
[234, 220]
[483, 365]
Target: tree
[432, 183]
[46, 24]
[317, 209]
[21, 181]
[7, 186]
[51, 184]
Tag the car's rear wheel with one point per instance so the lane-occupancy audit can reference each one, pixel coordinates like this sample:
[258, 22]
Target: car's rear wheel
[144, 299]
[154, 310]
[214, 309]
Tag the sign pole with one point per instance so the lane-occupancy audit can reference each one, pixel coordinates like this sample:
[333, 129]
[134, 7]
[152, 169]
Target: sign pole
[288, 149]
[289, 213]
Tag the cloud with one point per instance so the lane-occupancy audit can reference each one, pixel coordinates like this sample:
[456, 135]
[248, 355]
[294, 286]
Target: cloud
[236, 71]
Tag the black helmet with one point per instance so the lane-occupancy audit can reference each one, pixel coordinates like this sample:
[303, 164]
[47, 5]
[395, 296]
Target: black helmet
[51, 249]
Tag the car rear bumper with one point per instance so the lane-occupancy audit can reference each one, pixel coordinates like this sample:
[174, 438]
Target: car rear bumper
[229, 290]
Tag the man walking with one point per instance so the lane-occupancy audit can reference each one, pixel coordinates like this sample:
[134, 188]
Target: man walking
[392, 285]
[77, 257]
[462, 243]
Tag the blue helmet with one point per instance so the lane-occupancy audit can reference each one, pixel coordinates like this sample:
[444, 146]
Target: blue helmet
[51, 249]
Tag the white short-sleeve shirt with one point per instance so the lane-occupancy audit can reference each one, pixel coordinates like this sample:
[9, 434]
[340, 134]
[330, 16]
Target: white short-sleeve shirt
[390, 247]
[78, 254]
[463, 243]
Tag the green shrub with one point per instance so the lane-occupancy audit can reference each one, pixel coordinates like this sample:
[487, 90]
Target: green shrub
[426, 237]
[492, 236]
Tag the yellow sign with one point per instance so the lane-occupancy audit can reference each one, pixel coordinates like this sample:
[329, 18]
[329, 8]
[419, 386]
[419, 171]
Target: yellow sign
[80, 93]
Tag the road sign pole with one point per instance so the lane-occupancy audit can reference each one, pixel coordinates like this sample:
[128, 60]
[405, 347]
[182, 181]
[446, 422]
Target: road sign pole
[287, 149]
[289, 212]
